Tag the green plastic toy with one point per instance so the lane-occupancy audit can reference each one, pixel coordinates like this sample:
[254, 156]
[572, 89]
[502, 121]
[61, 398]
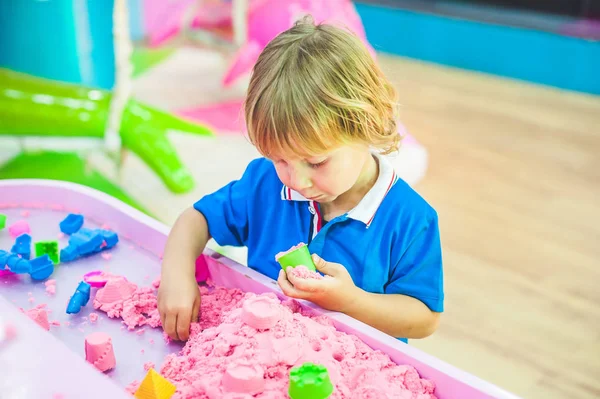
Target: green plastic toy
[297, 257]
[50, 248]
[310, 381]
[2, 221]
[69, 167]
[32, 106]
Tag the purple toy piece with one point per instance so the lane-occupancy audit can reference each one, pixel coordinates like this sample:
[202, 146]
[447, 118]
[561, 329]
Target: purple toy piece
[95, 279]
[201, 269]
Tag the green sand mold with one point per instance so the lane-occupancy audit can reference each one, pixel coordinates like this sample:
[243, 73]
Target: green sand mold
[299, 256]
[2, 221]
[49, 248]
[310, 381]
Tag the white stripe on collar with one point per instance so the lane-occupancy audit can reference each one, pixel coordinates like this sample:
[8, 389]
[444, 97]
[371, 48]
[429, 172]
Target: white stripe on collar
[368, 206]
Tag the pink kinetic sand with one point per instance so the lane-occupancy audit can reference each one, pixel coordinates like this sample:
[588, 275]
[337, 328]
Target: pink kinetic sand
[245, 345]
[121, 298]
[303, 272]
[156, 282]
[261, 313]
[50, 287]
[292, 249]
[115, 290]
[99, 351]
[10, 332]
[93, 317]
[18, 228]
[40, 316]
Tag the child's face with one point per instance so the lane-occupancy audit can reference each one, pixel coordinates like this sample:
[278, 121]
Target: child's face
[326, 177]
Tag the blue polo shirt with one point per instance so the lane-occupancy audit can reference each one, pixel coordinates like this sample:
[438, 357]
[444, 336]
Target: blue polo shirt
[389, 243]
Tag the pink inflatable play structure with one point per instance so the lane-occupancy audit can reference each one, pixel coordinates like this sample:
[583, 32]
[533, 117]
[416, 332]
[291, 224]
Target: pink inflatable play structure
[264, 19]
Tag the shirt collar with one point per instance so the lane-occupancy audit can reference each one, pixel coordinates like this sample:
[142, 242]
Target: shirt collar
[368, 206]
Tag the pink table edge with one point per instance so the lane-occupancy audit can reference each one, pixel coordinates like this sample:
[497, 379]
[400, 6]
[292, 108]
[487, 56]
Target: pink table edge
[151, 234]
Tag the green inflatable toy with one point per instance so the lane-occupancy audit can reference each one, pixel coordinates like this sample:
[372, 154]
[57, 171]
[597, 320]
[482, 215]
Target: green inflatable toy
[32, 106]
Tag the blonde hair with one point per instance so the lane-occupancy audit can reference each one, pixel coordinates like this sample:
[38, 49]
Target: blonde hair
[316, 87]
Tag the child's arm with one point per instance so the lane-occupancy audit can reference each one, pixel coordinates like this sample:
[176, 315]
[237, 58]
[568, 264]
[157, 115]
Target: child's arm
[397, 315]
[178, 294]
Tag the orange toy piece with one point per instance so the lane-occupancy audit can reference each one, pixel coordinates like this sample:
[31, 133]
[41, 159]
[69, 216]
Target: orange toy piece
[155, 386]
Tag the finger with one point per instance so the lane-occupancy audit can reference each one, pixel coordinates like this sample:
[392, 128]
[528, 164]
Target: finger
[162, 319]
[162, 314]
[196, 311]
[184, 319]
[328, 268]
[170, 325]
[288, 289]
[305, 284]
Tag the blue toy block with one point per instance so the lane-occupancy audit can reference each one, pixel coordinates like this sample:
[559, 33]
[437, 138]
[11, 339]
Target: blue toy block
[80, 298]
[15, 263]
[69, 254]
[86, 241]
[41, 267]
[85, 289]
[22, 246]
[75, 303]
[3, 258]
[110, 237]
[71, 224]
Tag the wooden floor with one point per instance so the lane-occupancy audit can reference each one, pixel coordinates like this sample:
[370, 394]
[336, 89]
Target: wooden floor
[515, 176]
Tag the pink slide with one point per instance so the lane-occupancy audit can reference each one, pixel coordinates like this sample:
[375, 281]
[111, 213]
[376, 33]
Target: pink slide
[227, 117]
[57, 358]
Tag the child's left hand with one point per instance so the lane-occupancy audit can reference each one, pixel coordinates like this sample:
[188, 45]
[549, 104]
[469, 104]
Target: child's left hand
[335, 292]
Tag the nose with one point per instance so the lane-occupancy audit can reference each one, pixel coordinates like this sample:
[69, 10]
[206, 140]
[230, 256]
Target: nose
[299, 180]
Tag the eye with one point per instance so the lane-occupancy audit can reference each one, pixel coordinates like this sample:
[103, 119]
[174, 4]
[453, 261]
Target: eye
[318, 164]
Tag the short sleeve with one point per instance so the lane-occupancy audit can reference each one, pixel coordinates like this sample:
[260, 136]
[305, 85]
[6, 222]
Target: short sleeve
[226, 210]
[419, 273]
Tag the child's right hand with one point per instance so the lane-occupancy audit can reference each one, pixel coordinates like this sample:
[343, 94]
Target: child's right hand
[178, 305]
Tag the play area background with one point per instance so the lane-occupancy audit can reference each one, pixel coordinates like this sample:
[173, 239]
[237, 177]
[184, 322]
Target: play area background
[512, 168]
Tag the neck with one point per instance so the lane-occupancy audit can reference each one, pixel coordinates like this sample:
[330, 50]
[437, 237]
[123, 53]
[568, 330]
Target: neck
[364, 183]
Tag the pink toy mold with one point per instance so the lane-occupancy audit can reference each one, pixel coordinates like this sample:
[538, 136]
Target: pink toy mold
[18, 228]
[99, 351]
